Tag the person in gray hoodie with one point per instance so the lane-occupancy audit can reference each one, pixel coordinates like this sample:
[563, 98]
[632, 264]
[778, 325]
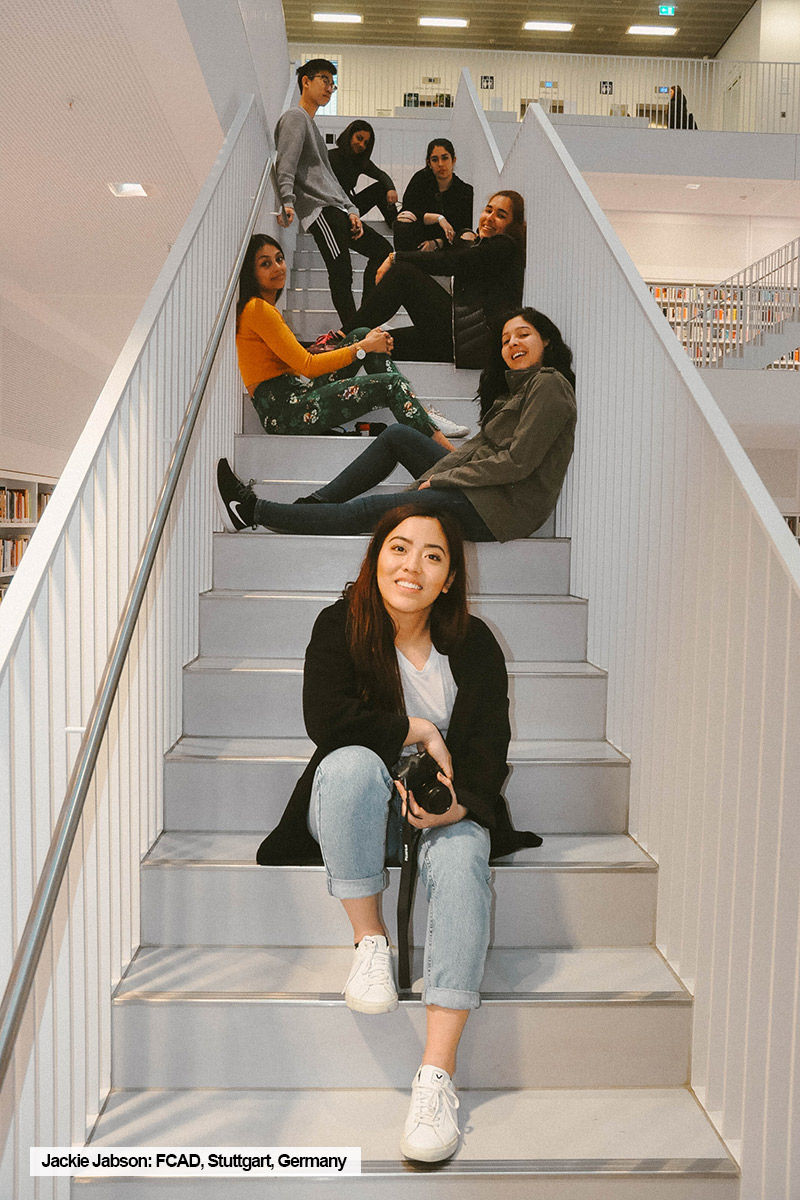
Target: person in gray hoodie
[308, 187]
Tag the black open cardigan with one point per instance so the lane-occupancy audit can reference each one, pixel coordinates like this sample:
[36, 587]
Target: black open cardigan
[336, 716]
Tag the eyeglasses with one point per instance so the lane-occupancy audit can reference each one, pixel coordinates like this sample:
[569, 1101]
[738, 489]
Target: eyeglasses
[326, 79]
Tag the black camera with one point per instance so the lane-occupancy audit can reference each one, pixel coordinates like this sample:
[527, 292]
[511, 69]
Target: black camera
[418, 774]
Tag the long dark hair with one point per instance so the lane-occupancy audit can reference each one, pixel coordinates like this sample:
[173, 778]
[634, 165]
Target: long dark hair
[346, 136]
[247, 276]
[448, 145]
[370, 629]
[518, 227]
[556, 354]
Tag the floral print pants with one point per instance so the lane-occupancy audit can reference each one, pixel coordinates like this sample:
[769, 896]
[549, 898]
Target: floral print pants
[292, 405]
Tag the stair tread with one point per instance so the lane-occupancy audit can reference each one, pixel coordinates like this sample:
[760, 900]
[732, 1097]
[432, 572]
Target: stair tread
[295, 666]
[567, 850]
[300, 749]
[330, 596]
[183, 972]
[586, 1131]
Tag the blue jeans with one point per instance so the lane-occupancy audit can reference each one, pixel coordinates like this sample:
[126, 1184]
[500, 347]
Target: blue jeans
[344, 510]
[355, 817]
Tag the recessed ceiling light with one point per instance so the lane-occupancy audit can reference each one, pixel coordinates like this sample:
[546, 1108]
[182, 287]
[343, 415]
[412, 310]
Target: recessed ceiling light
[693, 187]
[127, 189]
[551, 26]
[340, 18]
[653, 30]
[444, 22]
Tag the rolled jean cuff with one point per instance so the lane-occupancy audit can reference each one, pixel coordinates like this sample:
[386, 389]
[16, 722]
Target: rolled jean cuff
[356, 889]
[450, 998]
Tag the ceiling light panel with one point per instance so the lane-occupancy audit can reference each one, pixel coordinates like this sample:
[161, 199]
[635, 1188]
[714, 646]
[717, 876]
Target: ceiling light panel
[549, 26]
[127, 189]
[444, 22]
[339, 18]
[653, 30]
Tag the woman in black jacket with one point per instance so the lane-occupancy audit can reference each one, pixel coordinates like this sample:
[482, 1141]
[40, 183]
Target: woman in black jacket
[397, 665]
[437, 205]
[488, 274]
[350, 158]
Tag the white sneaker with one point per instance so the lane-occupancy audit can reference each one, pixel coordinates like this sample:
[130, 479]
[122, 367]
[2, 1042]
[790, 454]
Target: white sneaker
[431, 1132]
[370, 987]
[448, 427]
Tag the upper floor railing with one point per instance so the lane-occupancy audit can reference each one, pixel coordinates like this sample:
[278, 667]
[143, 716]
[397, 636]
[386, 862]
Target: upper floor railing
[693, 579]
[61, 626]
[740, 97]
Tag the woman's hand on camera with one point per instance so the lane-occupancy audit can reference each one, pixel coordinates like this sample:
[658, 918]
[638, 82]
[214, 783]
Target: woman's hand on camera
[420, 818]
[428, 737]
[379, 340]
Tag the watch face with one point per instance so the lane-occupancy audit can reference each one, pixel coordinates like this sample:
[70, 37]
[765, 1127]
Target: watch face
[361, 352]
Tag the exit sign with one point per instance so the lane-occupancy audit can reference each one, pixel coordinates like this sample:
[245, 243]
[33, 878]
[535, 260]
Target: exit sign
[666, 10]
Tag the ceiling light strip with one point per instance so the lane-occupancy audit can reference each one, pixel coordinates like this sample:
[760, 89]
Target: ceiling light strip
[444, 22]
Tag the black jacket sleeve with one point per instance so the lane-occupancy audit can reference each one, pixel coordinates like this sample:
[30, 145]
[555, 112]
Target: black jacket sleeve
[479, 731]
[473, 263]
[335, 715]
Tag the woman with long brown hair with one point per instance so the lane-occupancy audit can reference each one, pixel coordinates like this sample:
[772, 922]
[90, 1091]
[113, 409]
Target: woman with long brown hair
[398, 664]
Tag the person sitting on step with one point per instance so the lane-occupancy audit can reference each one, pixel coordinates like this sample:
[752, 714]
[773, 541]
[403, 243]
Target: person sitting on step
[437, 205]
[351, 158]
[396, 665]
[487, 275]
[503, 483]
[271, 359]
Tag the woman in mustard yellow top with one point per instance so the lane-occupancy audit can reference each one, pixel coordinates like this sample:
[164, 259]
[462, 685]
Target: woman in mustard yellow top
[271, 359]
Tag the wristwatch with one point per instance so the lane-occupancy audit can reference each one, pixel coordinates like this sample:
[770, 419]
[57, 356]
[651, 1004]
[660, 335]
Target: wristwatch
[360, 352]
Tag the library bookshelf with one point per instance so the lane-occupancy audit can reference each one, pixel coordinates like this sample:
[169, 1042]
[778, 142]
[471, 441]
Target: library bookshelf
[23, 499]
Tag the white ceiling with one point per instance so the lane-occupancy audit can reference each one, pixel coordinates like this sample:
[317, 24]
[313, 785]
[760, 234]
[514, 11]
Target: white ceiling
[715, 197]
[95, 91]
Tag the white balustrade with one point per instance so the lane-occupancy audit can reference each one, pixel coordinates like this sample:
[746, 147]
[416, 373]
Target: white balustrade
[744, 97]
[56, 625]
[694, 585]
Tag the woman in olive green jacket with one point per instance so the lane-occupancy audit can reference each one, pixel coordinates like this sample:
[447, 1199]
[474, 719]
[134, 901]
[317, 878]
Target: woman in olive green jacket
[501, 484]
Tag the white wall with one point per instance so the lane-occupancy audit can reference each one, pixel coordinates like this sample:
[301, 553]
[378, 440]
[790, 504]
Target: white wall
[780, 31]
[745, 42]
[696, 248]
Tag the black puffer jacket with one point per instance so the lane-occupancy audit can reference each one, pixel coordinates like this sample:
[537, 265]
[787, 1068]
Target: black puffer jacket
[488, 275]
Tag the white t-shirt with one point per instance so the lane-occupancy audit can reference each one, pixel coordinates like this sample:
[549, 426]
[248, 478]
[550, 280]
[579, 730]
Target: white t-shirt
[429, 693]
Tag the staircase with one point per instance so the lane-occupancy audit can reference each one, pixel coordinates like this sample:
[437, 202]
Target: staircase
[229, 1028]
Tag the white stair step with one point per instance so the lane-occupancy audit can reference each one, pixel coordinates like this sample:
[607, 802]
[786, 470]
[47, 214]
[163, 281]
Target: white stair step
[566, 1018]
[544, 1144]
[235, 623]
[258, 697]
[206, 889]
[227, 784]
[264, 456]
[286, 561]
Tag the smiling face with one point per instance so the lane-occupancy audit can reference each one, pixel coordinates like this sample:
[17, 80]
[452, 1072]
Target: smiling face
[269, 269]
[442, 162]
[496, 216]
[522, 345]
[413, 567]
[359, 142]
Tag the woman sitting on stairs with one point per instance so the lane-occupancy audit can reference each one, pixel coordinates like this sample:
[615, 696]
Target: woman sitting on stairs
[398, 665]
[501, 484]
[271, 358]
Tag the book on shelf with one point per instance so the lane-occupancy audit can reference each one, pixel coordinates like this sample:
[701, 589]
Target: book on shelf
[41, 503]
[12, 550]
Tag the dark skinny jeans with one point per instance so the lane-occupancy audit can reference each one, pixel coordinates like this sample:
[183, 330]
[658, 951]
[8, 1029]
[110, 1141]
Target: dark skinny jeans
[429, 306]
[345, 510]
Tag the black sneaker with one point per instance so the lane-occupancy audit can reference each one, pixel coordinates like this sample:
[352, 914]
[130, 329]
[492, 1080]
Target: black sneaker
[236, 500]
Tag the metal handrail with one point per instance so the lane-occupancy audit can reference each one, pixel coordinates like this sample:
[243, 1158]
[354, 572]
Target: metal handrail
[45, 897]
